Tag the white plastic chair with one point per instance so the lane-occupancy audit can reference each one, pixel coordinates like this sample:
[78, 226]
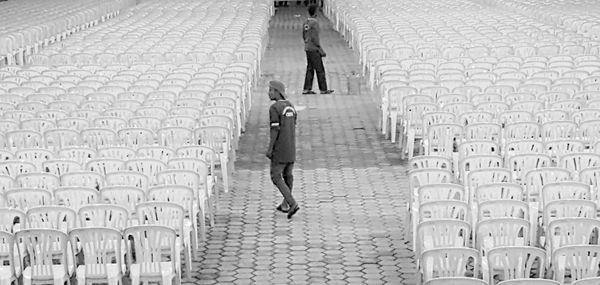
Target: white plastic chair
[101, 249]
[169, 215]
[149, 264]
[449, 262]
[514, 262]
[43, 246]
[441, 234]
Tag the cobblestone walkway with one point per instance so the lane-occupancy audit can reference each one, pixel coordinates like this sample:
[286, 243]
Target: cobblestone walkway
[349, 181]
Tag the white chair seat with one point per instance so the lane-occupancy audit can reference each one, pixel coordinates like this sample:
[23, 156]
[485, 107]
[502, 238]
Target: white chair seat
[113, 274]
[166, 272]
[58, 273]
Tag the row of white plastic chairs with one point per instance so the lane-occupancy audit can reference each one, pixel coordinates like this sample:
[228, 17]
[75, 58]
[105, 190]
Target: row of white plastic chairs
[33, 25]
[108, 253]
[529, 119]
[203, 159]
[367, 40]
[453, 257]
[244, 36]
[500, 222]
[577, 16]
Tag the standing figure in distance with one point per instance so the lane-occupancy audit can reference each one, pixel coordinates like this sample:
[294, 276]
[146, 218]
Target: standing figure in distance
[282, 146]
[314, 54]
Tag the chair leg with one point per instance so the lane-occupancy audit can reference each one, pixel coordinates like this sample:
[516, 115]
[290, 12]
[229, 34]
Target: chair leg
[410, 143]
[393, 128]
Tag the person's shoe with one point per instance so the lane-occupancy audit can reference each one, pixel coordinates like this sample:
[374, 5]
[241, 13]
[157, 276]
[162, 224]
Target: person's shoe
[327, 91]
[308, 92]
[280, 209]
[293, 211]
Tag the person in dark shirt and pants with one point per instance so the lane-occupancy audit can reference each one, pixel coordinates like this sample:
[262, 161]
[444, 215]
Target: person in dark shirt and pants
[282, 146]
[314, 54]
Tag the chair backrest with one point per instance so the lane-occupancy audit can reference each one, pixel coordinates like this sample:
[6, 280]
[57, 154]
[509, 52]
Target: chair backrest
[125, 196]
[44, 247]
[520, 164]
[436, 210]
[526, 146]
[577, 162]
[38, 180]
[103, 215]
[25, 198]
[496, 232]
[116, 152]
[128, 178]
[442, 233]
[483, 176]
[455, 281]
[161, 153]
[440, 139]
[516, 262]
[75, 197]
[581, 260]
[535, 179]
[148, 166]
[83, 178]
[161, 213]
[565, 190]
[575, 208]
[477, 147]
[103, 166]
[441, 192]
[100, 247]
[571, 231]
[179, 194]
[492, 209]
[499, 191]
[474, 162]
[59, 167]
[449, 262]
[429, 161]
[51, 217]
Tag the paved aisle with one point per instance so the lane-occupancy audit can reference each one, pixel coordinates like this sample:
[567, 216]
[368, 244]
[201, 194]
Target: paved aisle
[348, 180]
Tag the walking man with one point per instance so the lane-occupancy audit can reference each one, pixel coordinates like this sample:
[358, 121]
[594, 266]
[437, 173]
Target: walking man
[282, 146]
[314, 54]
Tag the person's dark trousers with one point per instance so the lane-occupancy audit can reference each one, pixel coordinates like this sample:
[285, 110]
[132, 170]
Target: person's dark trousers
[314, 63]
[282, 177]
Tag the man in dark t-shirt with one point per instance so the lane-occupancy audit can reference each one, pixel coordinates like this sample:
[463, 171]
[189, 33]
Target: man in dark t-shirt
[282, 146]
[314, 54]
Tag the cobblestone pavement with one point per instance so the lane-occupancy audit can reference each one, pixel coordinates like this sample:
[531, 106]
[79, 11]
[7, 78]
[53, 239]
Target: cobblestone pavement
[349, 181]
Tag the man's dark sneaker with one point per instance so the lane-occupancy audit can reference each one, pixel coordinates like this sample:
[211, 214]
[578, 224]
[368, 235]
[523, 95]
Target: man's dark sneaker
[308, 92]
[292, 211]
[327, 92]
